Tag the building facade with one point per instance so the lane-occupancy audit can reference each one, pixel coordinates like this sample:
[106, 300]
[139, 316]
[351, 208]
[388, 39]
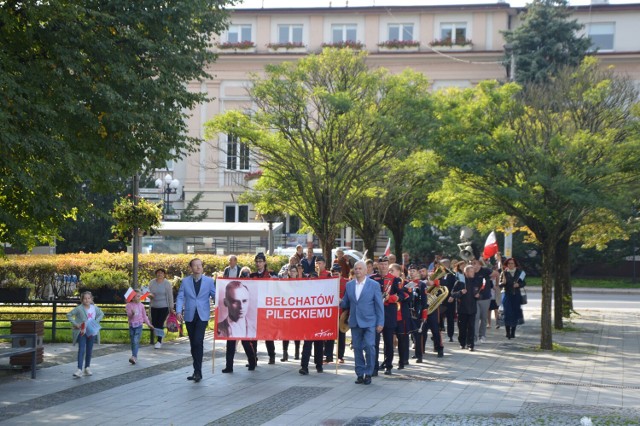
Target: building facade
[451, 45]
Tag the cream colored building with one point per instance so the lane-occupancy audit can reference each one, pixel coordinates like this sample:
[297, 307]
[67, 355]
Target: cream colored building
[222, 166]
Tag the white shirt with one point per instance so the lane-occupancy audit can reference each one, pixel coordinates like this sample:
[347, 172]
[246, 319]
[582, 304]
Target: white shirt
[359, 287]
[238, 329]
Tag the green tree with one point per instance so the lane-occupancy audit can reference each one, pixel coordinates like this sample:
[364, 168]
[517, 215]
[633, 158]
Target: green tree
[551, 156]
[414, 179]
[322, 125]
[544, 42]
[91, 91]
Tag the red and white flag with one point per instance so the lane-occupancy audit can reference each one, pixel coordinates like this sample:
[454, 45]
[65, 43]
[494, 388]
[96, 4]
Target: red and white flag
[130, 294]
[490, 246]
[387, 251]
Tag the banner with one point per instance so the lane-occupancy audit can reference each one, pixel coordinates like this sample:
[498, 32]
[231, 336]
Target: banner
[277, 309]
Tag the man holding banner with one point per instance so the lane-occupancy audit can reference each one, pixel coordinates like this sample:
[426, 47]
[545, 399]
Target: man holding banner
[363, 298]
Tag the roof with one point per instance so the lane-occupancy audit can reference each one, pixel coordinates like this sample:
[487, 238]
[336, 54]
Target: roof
[216, 229]
[373, 9]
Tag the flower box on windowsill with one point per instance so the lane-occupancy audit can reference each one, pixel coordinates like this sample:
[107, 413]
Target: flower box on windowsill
[237, 50]
[453, 47]
[355, 45]
[287, 49]
[239, 47]
[398, 49]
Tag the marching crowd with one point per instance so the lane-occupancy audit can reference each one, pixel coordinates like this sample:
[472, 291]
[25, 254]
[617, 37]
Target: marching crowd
[418, 304]
[401, 305]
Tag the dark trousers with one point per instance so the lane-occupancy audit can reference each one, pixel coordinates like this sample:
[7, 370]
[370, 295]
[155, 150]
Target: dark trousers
[403, 348]
[466, 329]
[248, 350]
[285, 346]
[376, 365]
[449, 317]
[271, 348]
[196, 329]
[433, 325]
[318, 347]
[158, 317]
[329, 346]
[387, 337]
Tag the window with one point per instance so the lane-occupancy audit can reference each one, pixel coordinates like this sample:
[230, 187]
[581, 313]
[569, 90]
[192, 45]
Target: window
[236, 213]
[239, 33]
[341, 33]
[237, 154]
[602, 35]
[289, 33]
[401, 32]
[454, 31]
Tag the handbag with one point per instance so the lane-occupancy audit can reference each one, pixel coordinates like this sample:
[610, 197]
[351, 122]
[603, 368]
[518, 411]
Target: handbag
[172, 323]
[523, 296]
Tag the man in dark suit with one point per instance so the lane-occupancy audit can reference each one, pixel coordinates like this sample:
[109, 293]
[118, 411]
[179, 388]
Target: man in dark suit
[194, 306]
[363, 298]
[233, 270]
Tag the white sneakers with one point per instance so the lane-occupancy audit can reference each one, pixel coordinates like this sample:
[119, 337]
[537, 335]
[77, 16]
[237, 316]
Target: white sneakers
[158, 345]
[483, 340]
[79, 373]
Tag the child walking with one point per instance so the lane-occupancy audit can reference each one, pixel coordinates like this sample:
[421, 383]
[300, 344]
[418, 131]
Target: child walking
[137, 315]
[85, 319]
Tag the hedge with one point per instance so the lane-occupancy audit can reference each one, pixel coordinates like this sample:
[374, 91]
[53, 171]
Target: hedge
[40, 269]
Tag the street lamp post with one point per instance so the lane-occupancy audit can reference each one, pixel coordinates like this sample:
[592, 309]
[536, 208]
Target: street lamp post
[168, 186]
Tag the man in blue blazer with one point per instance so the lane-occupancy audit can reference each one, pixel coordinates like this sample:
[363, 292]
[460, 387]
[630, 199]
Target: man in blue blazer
[194, 306]
[363, 298]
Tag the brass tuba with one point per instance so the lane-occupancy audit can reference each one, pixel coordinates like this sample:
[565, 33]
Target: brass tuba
[435, 296]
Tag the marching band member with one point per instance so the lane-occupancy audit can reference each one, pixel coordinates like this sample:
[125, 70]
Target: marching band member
[432, 321]
[448, 316]
[390, 286]
[405, 324]
[419, 302]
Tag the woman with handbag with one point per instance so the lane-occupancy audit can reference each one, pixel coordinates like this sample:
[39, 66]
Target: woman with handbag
[512, 284]
[161, 302]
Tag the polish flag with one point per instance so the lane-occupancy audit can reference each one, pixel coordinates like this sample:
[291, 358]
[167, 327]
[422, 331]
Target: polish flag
[130, 294]
[387, 251]
[144, 293]
[490, 246]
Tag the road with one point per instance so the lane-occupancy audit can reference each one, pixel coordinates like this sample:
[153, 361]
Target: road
[615, 300]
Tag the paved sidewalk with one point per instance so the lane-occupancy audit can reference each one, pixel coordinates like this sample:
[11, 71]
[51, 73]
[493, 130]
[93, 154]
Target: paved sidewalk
[504, 382]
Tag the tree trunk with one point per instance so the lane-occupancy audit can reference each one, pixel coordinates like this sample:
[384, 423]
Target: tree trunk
[370, 245]
[562, 286]
[548, 259]
[397, 231]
